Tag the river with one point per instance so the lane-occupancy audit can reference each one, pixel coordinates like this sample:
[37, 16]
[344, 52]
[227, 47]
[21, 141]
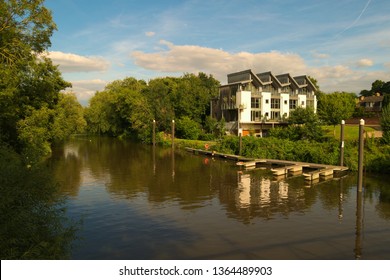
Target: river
[140, 202]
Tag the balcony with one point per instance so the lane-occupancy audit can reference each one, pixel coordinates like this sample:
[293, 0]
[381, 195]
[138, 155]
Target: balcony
[229, 106]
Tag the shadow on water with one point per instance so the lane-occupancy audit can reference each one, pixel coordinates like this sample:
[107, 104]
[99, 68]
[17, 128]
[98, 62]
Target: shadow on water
[33, 224]
[145, 202]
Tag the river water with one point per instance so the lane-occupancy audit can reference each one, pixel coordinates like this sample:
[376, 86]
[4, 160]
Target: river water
[140, 202]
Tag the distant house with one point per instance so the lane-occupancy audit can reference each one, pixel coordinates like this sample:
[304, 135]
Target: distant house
[371, 103]
[253, 103]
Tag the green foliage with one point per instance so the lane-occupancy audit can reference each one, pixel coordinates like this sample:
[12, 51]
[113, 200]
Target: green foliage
[303, 116]
[214, 127]
[378, 86]
[385, 124]
[187, 128]
[68, 118]
[26, 26]
[34, 134]
[30, 84]
[127, 107]
[304, 124]
[274, 148]
[121, 110]
[33, 224]
[335, 107]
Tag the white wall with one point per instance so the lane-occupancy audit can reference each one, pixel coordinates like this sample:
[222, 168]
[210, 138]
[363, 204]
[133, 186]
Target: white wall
[301, 99]
[284, 108]
[243, 98]
[266, 108]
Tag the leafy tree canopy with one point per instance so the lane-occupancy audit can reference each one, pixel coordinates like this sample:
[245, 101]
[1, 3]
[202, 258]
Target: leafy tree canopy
[335, 107]
[30, 84]
[26, 27]
[127, 107]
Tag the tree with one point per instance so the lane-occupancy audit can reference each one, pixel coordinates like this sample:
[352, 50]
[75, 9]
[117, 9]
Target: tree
[385, 124]
[335, 107]
[377, 86]
[68, 118]
[187, 128]
[303, 116]
[121, 109]
[26, 27]
[30, 83]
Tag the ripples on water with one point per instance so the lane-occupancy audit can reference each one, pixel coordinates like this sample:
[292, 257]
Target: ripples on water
[137, 202]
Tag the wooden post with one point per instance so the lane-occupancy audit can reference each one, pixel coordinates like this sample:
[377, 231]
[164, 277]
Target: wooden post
[240, 141]
[342, 143]
[173, 133]
[154, 133]
[361, 155]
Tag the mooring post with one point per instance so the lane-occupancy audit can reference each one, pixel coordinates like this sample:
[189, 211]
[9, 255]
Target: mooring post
[173, 134]
[154, 133]
[342, 143]
[361, 155]
[240, 141]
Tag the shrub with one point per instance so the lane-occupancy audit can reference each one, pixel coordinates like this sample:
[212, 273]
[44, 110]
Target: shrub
[187, 128]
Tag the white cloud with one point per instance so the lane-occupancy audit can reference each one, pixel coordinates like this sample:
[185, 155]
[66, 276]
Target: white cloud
[319, 55]
[190, 58]
[365, 62]
[150, 33]
[69, 62]
[85, 89]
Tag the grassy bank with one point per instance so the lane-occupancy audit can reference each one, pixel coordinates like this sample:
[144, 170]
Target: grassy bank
[376, 158]
[351, 132]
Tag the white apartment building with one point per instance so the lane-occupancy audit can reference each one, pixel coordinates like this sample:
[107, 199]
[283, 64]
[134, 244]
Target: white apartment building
[253, 103]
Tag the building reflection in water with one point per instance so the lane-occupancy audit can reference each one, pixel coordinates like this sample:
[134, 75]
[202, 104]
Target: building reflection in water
[258, 192]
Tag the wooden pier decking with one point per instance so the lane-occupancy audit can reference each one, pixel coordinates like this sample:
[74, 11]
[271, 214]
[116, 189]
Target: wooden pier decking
[311, 171]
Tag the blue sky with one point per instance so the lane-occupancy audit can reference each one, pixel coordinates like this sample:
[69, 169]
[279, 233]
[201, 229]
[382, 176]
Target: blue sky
[344, 44]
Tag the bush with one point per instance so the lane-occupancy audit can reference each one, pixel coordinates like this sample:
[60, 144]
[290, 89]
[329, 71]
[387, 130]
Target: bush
[187, 128]
[283, 149]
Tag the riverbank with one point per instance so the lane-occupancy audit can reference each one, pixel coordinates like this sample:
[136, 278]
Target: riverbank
[376, 159]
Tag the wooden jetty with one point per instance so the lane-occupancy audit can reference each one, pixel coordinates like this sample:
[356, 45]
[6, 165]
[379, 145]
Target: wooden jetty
[311, 171]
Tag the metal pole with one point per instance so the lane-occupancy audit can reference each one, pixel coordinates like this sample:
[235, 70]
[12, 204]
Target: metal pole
[154, 133]
[173, 134]
[342, 143]
[361, 155]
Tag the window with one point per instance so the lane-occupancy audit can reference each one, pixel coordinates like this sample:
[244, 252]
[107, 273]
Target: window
[285, 102]
[274, 115]
[275, 103]
[267, 101]
[255, 103]
[303, 103]
[293, 104]
[255, 116]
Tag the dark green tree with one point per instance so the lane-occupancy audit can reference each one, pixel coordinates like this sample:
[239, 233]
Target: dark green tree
[29, 83]
[121, 109]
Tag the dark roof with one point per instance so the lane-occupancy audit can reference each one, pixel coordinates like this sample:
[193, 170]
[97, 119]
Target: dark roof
[372, 98]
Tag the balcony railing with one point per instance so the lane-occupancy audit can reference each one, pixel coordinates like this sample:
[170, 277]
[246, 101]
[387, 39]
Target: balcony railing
[229, 106]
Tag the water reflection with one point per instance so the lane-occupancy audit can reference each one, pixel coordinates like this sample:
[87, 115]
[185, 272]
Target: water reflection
[359, 225]
[33, 221]
[138, 199]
